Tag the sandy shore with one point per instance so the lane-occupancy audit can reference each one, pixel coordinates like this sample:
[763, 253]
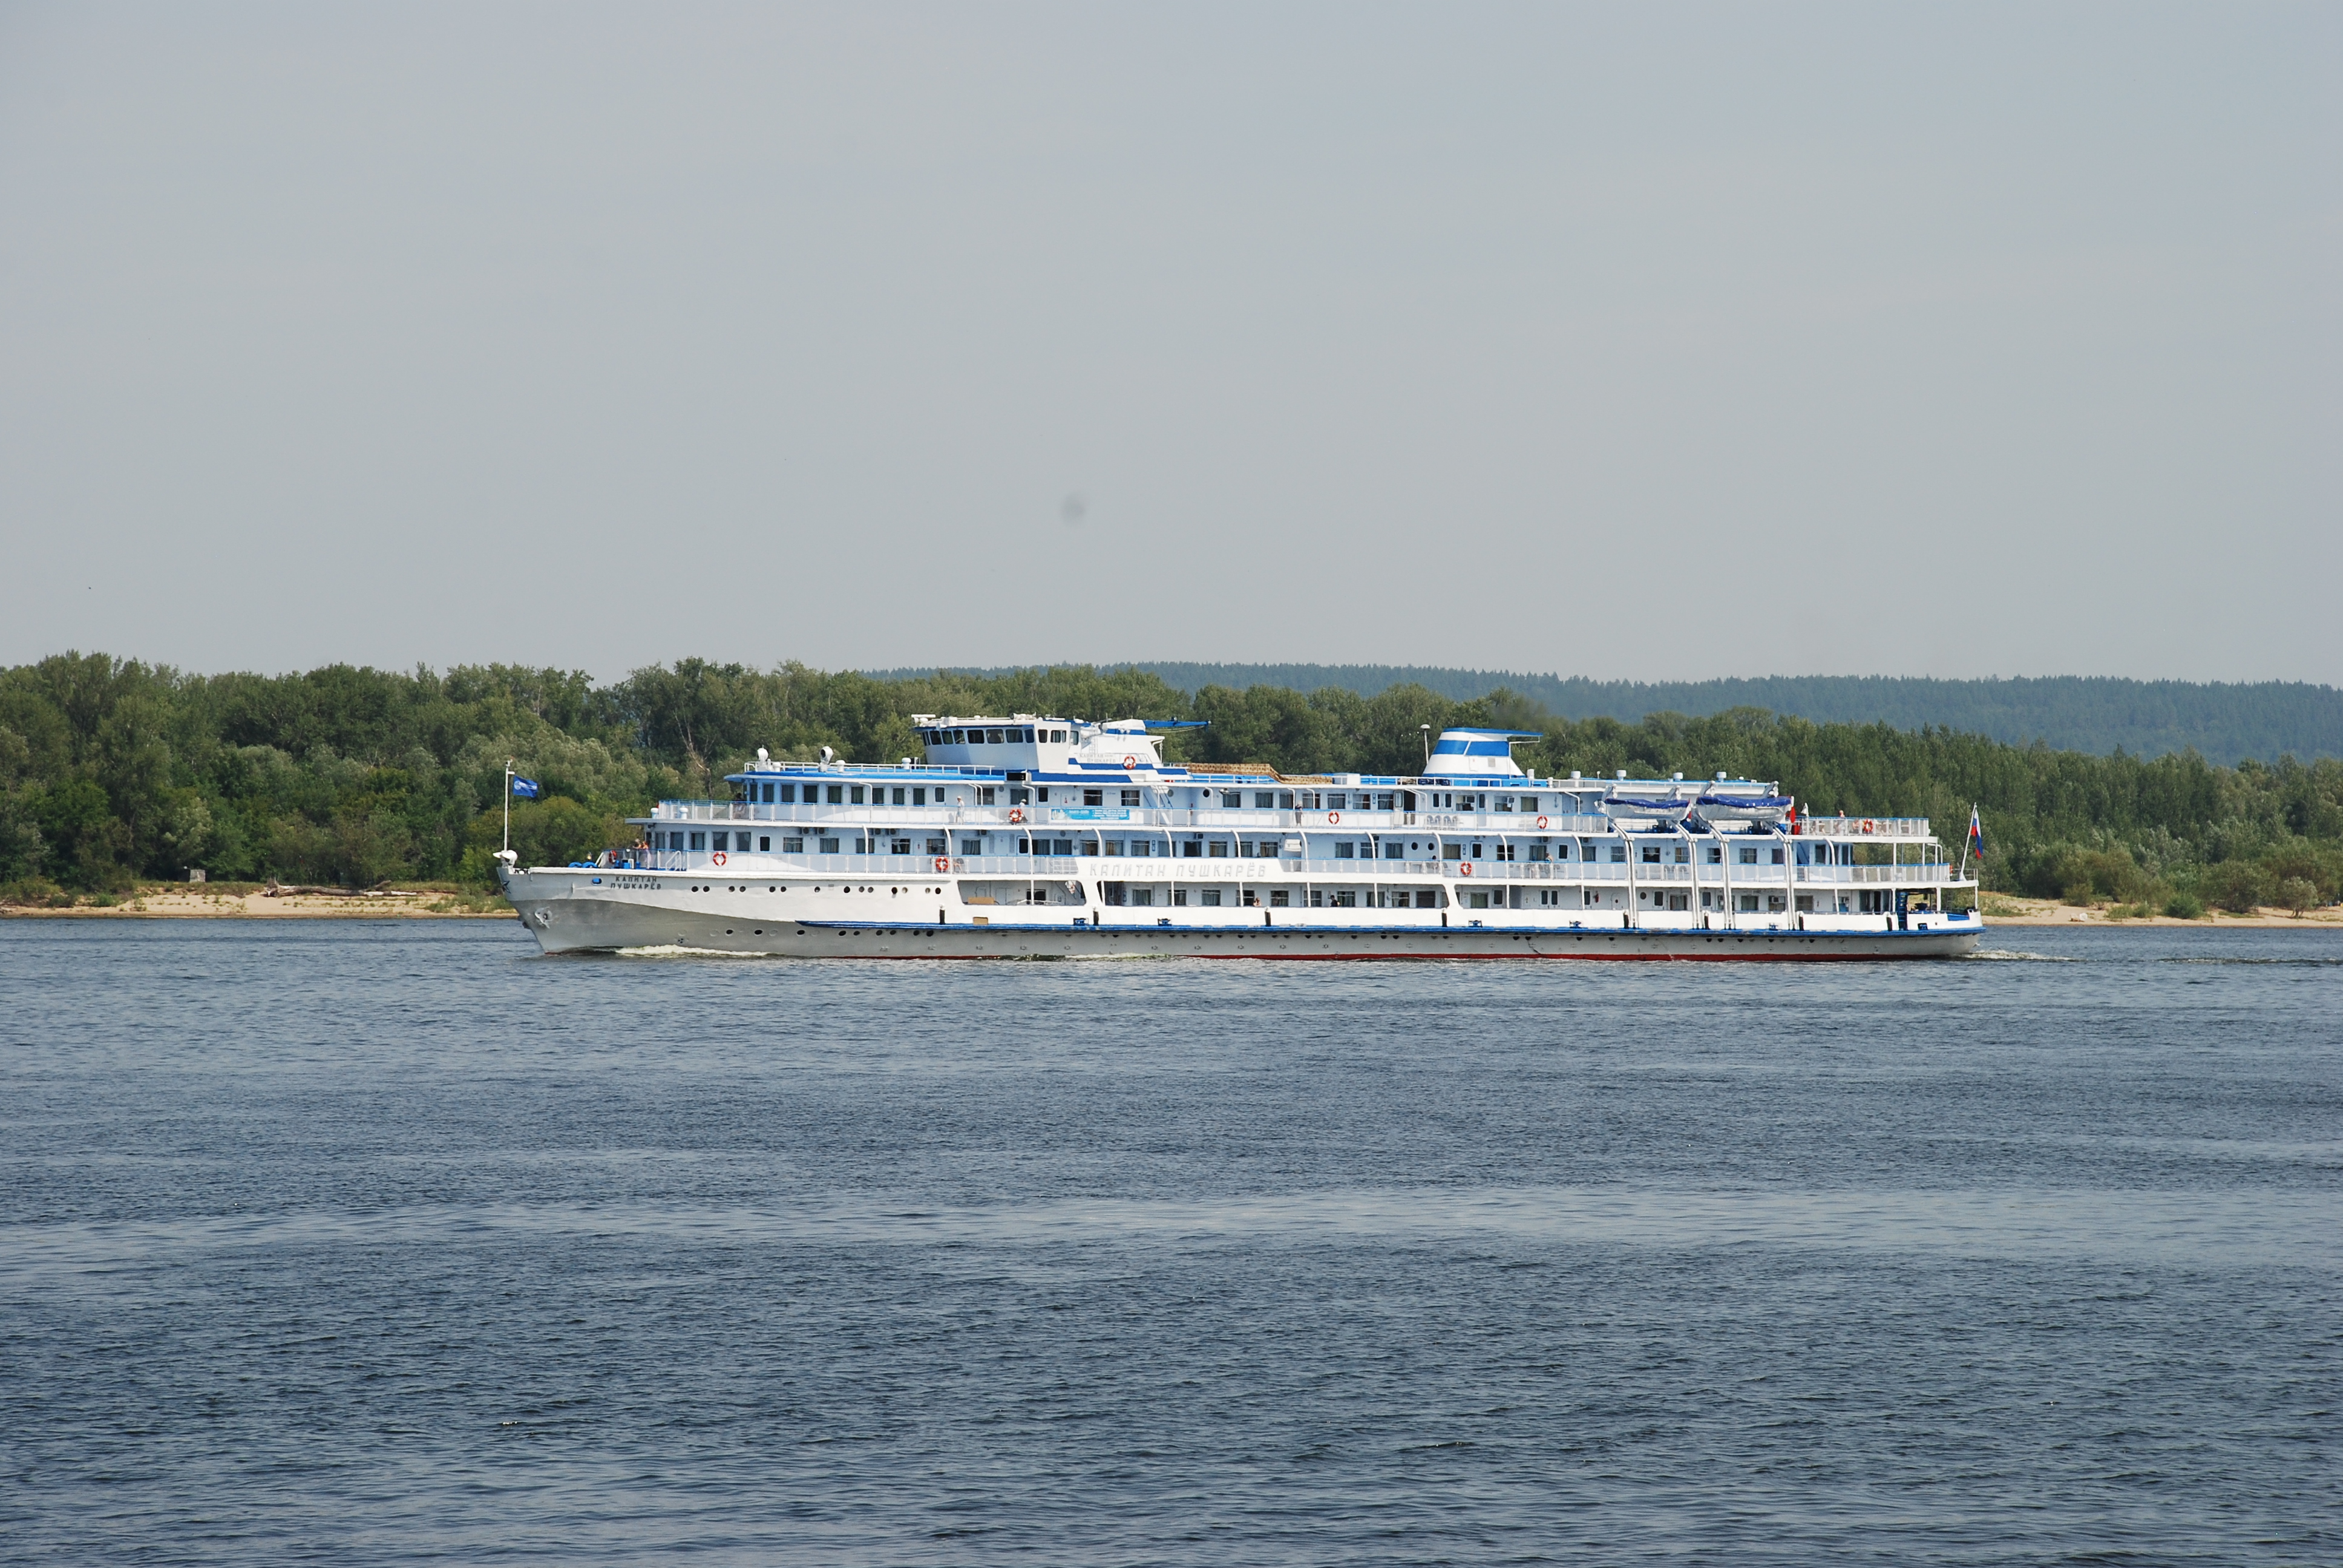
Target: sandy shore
[197, 902]
[2050, 912]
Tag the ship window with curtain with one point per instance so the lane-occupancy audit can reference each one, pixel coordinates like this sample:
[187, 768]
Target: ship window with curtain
[1343, 850]
[788, 793]
[1265, 800]
[699, 841]
[971, 846]
[898, 847]
[837, 795]
[1394, 852]
[1194, 850]
[855, 795]
[1745, 854]
[1618, 854]
[793, 846]
[1212, 899]
[1218, 849]
[830, 846]
[1131, 797]
[920, 798]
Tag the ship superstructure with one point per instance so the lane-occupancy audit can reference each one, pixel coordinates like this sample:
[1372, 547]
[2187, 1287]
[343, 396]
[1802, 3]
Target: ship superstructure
[1032, 835]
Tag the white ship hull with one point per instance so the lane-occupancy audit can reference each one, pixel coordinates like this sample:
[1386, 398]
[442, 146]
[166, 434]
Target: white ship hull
[568, 910]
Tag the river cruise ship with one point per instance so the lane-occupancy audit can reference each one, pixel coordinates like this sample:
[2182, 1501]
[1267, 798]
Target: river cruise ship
[1030, 836]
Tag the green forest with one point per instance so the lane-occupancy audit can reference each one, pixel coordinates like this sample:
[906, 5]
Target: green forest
[113, 771]
[2226, 721]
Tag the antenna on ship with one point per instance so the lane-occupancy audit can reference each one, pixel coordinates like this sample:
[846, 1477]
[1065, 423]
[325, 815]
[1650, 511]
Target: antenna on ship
[508, 802]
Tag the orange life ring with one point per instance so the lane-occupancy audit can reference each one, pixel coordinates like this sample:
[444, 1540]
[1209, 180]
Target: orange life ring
[1016, 815]
[1540, 821]
[1866, 824]
[1333, 817]
[943, 863]
[717, 858]
[1464, 868]
[1130, 762]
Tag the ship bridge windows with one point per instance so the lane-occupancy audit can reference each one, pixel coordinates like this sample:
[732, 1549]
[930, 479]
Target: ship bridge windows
[838, 794]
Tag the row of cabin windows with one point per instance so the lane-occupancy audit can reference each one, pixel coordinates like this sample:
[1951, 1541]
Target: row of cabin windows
[1281, 898]
[764, 794]
[1007, 735]
[1478, 800]
[1197, 848]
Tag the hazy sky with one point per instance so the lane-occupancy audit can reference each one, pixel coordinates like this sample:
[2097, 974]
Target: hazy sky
[1659, 341]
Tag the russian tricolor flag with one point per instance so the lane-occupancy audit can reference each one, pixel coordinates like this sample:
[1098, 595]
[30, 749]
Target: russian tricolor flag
[1976, 835]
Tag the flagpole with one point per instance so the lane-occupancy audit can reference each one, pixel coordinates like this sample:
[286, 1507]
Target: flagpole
[507, 803]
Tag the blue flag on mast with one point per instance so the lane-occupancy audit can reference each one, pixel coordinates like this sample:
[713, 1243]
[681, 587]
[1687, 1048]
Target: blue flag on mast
[524, 788]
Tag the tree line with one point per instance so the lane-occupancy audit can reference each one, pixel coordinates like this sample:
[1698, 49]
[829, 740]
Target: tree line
[113, 771]
[2228, 722]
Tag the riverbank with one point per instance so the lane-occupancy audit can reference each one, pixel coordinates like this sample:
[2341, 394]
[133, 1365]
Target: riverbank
[176, 901]
[2001, 910]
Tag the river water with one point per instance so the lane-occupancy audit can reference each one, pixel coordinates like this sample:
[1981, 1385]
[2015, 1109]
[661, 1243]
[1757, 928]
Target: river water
[383, 1242]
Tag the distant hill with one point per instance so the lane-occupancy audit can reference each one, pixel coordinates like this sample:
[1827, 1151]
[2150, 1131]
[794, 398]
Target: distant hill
[2226, 723]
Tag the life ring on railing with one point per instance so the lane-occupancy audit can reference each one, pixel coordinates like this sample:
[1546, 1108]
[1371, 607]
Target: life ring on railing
[1866, 825]
[943, 862]
[1130, 762]
[717, 858]
[1333, 817]
[1540, 821]
[1015, 815]
[1464, 868]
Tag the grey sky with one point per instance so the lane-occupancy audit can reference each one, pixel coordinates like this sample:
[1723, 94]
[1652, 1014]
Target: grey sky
[1629, 341]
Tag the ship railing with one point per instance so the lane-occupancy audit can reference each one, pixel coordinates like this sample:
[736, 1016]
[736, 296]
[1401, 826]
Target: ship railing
[1863, 826]
[922, 861]
[1485, 824]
